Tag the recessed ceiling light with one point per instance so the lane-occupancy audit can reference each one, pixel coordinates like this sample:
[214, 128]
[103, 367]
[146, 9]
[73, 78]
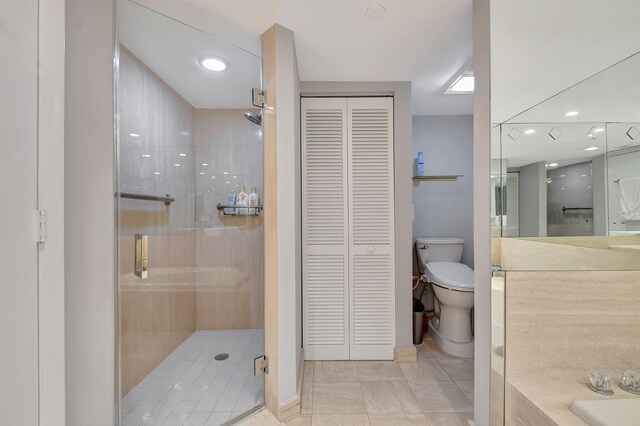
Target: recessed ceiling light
[563, 175]
[572, 113]
[182, 154]
[202, 173]
[134, 135]
[591, 148]
[177, 164]
[225, 173]
[598, 129]
[157, 173]
[146, 155]
[235, 177]
[553, 164]
[205, 164]
[529, 132]
[213, 177]
[212, 63]
[375, 12]
[463, 84]
[583, 175]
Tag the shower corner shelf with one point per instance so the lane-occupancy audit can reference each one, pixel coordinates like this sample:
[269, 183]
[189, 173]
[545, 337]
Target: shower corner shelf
[236, 212]
[437, 178]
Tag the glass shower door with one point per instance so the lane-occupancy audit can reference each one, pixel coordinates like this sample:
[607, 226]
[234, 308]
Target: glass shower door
[190, 268]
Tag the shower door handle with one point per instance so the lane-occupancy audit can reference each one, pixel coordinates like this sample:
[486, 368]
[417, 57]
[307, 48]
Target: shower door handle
[141, 261]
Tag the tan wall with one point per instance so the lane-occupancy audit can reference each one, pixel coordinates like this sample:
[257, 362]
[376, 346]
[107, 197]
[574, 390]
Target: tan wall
[571, 322]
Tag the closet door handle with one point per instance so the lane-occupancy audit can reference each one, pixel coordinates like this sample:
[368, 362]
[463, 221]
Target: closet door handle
[371, 249]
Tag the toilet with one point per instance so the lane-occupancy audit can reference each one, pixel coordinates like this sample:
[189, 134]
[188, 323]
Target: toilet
[453, 287]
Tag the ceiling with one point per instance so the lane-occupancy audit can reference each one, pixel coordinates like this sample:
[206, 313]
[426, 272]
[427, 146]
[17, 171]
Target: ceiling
[535, 54]
[428, 42]
[611, 95]
[171, 50]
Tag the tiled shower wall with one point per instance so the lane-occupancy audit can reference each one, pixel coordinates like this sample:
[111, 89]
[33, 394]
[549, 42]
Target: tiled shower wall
[570, 187]
[229, 156]
[205, 269]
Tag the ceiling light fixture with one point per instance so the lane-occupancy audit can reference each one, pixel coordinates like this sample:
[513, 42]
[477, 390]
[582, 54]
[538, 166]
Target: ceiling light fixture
[463, 84]
[157, 173]
[212, 63]
[529, 132]
[572, 113]
[134, 135]
[177, 165]
[146, 155]
[205, 164]
[553, 164]
[591, 148]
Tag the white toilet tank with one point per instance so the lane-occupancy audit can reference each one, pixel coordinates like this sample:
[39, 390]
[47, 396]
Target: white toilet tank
[439, 249]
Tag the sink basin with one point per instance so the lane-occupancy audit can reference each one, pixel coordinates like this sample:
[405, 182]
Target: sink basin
[608, 412]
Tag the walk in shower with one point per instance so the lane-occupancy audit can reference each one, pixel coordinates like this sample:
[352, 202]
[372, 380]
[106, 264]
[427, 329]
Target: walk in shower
[190, 264]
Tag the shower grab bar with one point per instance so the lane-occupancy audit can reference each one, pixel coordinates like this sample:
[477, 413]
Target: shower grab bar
[564, 209]
[167, 200]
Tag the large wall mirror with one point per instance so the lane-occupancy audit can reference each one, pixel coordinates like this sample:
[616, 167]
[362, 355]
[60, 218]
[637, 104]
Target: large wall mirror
[570, 166]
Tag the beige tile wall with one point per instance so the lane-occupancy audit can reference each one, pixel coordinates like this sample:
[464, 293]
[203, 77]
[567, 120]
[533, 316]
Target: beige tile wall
[206, 270]
[527, 255]
[571, 322]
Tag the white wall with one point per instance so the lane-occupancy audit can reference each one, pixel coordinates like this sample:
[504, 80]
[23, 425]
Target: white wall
[51, 141]
[445, 209]
[599, 184]
[19, 189]
[539, 48]
[532, 198]
[482, 208]
[89, 214]
[403, 172]
[621, 165]
[289, 215]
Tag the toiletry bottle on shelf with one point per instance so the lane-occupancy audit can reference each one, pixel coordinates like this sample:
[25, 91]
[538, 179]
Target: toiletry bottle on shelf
[231, 201]
[254, 200]
[242, 200]
[420, 165]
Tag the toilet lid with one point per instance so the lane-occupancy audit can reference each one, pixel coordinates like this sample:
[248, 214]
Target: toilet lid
[451, 274]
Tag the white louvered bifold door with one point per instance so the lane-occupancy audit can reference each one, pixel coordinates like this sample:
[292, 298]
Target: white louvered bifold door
[325, 229]
[371, 236]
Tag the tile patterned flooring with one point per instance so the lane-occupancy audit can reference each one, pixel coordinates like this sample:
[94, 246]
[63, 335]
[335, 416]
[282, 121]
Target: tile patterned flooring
[191, 388]
[435, 391]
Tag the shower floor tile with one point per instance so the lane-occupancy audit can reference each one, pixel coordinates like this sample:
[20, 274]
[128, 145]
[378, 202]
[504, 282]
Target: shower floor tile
[190, 387]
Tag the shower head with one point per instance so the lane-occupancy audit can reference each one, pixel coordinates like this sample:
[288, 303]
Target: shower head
[254, 117]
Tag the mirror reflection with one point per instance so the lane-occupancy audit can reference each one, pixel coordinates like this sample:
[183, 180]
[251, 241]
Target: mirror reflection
[570, 166]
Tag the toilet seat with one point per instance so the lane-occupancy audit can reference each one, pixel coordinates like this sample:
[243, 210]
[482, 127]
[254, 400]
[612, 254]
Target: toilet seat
[451, 276]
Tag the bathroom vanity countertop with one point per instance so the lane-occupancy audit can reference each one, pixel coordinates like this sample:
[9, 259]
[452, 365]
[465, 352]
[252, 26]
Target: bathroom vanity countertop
[634, 248]
[554, 396]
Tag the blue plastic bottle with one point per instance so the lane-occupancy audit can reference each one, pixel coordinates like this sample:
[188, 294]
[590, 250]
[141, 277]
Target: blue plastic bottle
[420, 168]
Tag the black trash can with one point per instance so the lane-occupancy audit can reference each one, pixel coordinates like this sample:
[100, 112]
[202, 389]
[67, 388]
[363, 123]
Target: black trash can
[418, 321]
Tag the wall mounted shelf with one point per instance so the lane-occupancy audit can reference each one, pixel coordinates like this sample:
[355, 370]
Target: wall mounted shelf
[235, 210]
[436, 178]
